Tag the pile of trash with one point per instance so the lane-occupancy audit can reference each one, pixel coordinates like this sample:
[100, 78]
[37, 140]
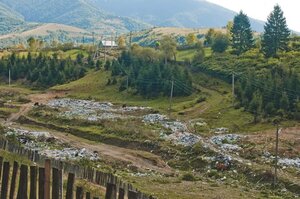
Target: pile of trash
[289, 162]
[222, 163]
[70, 154]
[178, 134]
[221, 130]
[227, 142]
[91, 110]
[154, 118]
[183, 138]
[46, 144]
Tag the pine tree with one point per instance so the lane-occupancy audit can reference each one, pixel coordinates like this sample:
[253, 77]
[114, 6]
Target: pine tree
[256, 105]
[276, 33]
[242, 35]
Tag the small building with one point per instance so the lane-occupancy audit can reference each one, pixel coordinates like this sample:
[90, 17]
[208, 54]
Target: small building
[108, 44]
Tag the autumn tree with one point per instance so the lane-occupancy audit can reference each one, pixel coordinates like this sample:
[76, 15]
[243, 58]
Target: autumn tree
[168, 46]
[122, 42]
[191, 39]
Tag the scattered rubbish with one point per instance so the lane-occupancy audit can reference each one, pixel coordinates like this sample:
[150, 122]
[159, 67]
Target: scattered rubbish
[289, 162]
[183, 138]
[222, 163]
[154, 118]
[221, 130]
[227, 142]
[179, 133]
[92, 110]
[46, 144]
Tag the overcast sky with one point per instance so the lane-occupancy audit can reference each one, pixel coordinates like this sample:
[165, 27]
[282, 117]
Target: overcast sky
[260, 9]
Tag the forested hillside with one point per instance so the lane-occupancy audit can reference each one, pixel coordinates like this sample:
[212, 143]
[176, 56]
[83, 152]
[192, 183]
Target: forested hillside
[77, 13]
[9, 20]
[174, 13]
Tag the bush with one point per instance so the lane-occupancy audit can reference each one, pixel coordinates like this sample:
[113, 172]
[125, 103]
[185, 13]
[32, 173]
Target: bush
[188, 177]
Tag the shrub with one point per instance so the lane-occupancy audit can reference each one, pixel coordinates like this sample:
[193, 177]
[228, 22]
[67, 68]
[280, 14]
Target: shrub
[188, 177]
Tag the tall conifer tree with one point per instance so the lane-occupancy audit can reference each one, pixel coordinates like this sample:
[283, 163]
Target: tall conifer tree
[276, 33]
[242, 35]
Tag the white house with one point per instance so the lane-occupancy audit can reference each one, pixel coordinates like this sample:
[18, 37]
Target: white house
[111, 44]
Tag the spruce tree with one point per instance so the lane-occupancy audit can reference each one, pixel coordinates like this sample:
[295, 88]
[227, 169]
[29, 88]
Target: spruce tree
[276, 34]
[242, 35]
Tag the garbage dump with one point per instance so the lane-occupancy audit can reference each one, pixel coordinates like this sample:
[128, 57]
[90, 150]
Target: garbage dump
[91, 110]
[289, 162]
[46, 144]
[177, 132]
[227, 142]
[222, 163]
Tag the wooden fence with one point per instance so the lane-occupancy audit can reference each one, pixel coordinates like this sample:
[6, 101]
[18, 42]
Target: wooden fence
[51, 170]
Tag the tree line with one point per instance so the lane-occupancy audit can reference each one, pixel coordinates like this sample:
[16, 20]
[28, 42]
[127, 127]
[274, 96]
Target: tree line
[148, 72]
[41, 70]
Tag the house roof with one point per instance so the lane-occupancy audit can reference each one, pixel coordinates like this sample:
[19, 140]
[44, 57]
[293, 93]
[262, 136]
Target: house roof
[109, 43]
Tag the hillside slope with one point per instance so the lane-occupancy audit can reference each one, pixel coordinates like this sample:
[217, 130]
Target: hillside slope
[45, 30]
[79, 13]
[178, 13]
[9, 20]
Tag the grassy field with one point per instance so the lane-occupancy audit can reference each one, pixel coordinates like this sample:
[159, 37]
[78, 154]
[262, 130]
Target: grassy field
[184, 55]
[216, 110]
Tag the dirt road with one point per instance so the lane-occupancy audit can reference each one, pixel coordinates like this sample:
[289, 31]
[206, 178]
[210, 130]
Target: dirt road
[41, 98]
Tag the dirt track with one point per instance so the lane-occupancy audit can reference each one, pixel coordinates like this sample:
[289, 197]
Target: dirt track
[132, 157]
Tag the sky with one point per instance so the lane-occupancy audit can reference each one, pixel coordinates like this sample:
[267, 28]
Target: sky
[260, 9]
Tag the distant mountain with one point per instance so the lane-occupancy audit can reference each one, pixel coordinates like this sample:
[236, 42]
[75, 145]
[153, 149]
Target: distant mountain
[9, 19]
[79, 13]
[177, 13]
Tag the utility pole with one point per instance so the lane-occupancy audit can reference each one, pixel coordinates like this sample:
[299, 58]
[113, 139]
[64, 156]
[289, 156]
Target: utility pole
[276, 154]
[130, 39]
[171, 97]
[93, 38]
[127, 83]
[9, 78]
[233, 85]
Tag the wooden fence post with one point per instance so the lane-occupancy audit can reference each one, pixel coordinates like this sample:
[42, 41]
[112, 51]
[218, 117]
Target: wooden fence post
[5, 178]
[13, 180]
[111, 191]
[121, 193]
[41, 183]
[88, 195]
[47, 179]
[1, 163]
[33, 183]
[132, 194]
[23, 183]
[70, 184]
[79, 193]
[61, 180]
[55, 183]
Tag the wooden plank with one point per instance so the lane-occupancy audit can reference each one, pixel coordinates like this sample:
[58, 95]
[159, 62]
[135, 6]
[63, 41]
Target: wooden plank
[111, 191]
[41, 183]
[121, 193]
[47, 179]
[1, 163]
[5, 178]
[23, 183]
[79, 193]
[88, 195]
[33, 182]
[132, 194]
[70, 185]
[13, 180]
[55, 183]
